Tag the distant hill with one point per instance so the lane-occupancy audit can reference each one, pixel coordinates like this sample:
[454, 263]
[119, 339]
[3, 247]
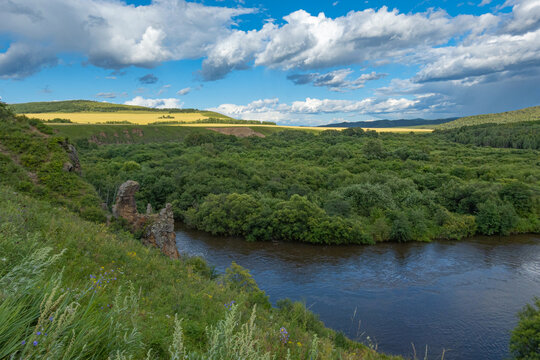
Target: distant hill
[527, 114]
[391, 123]
[74, 106]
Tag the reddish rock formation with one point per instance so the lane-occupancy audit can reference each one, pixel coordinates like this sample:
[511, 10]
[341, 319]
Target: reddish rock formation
[158, 228]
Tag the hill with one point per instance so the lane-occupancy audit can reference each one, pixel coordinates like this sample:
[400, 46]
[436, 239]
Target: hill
[390, 123]
[75, 106]
[527, 114]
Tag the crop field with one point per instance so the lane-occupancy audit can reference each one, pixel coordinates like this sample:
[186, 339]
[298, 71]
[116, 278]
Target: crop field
[135, 117]
[283, 127]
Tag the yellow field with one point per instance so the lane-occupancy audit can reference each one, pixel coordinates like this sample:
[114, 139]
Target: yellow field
[135, 117]
[307, 127]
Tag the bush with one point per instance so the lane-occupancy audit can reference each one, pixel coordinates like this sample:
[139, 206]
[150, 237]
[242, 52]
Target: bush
[525, 340]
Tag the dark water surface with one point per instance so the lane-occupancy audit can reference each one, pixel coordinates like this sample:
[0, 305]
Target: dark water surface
[460, 296]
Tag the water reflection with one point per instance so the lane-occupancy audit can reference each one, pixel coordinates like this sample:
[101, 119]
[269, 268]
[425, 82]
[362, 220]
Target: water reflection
[461, 296]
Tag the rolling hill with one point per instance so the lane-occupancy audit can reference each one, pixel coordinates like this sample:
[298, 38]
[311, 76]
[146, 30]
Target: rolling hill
[527, 114]
[76, 106]
[382, 124]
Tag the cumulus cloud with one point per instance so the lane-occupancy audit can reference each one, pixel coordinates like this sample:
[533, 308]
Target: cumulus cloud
[22, 60]
[148, 79]
[170, 103]
[513, 48]
[335, 80]
[310, 42]
[110, 33]
[272, 109]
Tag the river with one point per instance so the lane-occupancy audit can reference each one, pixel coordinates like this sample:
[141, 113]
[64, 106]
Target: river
[459, 296]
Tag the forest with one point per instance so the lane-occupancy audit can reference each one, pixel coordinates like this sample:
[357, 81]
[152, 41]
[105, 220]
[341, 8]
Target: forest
[521, 135]
[337, 187]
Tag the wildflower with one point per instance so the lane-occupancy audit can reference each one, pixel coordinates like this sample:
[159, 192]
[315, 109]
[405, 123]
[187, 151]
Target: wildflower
[299, 343]
[51, 318]
[23, 342]
[284, 335]
[35, 343]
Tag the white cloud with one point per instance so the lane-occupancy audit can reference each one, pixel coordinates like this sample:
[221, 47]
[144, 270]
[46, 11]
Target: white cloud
[308, 42]
[112, 34]
[483, 55]
[272, 109]
[184, 91]
[336, 80]
[169, 103]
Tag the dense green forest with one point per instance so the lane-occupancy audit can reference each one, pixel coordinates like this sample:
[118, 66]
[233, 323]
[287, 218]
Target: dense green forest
[337, 187]
[521, 135]
[70, 106]
[522, 115]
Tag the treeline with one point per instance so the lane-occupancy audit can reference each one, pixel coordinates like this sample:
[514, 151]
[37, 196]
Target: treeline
[523, 135]
[337, 187]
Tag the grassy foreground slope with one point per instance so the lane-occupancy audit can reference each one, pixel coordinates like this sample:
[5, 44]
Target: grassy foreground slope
[527, 114]
[116, 298]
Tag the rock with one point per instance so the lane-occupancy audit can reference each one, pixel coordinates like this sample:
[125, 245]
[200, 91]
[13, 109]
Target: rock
[125, 206]
[74, 163]
[161, 234]
[149, 209]
[158, 228]
[68, 167]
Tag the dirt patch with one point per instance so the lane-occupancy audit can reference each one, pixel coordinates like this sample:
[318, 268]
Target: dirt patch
[36, 131]
[238, 131]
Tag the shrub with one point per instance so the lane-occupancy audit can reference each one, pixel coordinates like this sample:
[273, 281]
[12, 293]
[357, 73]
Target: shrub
[525, 340]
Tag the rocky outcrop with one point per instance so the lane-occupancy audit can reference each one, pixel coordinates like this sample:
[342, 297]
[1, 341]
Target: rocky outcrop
[158, 229]
[161, 234]
[125, 206]
[73, 164]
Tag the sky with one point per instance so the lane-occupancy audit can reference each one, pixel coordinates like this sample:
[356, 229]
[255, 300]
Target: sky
[293, 62]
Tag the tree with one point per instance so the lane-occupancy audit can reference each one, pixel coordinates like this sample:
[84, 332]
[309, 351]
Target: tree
[496, 217]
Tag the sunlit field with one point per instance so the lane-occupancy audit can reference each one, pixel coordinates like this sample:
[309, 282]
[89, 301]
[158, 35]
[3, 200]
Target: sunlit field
[308, 127]
[135, 117]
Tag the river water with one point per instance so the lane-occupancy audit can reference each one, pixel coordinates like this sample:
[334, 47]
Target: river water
[459, 296]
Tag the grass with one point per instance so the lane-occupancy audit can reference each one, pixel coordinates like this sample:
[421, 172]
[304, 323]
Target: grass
[98, 294]
[527, 114]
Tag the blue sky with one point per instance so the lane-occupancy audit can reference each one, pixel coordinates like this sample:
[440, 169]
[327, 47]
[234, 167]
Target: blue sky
[294, 62]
